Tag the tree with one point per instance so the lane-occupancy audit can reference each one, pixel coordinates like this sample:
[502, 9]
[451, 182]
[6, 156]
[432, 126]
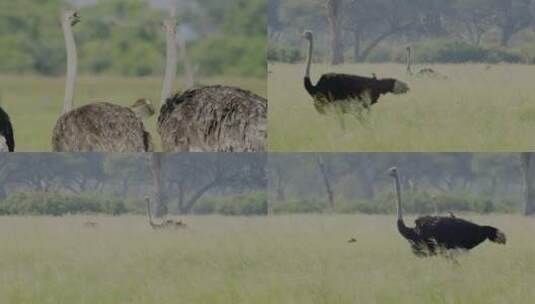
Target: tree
[325, 173]
[512, 16]
[159, 196]
[528, 168]
[376, 20]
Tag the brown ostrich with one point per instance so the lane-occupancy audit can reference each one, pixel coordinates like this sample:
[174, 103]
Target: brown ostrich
[209, 118]
[100, 126]
[422, 73]
[167, 224]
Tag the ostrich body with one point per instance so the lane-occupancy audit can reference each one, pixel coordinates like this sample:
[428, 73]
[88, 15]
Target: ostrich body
[422, 73]
[435, 234]
[211, 118]
[7, 140]
[164, 225]
[101, 126]
[343, 90]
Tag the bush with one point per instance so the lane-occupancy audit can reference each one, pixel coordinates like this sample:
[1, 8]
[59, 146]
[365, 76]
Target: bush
[56, 204]
[286, 54]
[253, 203]
[456, 51]
[300, 206]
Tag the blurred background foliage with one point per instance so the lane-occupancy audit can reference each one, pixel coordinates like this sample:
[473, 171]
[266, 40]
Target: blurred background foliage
[125, 37]
[440, 31]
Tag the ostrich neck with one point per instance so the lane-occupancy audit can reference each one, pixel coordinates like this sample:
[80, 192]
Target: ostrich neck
[149, 212]
[171, 60]
[72, 66]
[409, 60]
[397, 185]
[190, 81]
[309, 57]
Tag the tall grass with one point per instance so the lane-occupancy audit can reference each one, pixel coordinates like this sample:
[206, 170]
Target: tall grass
[280, 259]
[35, 103]
[476, 109]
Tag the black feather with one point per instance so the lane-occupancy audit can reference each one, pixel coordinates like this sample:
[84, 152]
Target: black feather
[6, 130]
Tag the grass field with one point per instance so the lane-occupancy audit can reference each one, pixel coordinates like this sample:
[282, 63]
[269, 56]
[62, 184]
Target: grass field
[35, 103]
[476, 109]
[280, 259]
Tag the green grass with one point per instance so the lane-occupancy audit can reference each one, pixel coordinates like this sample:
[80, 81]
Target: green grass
[474, 110]
[35, 103]
[280, 259]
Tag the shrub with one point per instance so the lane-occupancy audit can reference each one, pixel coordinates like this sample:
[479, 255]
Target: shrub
[56, 204]
[286, 54]
[300, 206]
[456, 51]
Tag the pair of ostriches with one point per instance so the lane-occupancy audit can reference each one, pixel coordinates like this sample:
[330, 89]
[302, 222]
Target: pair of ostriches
[205, 118]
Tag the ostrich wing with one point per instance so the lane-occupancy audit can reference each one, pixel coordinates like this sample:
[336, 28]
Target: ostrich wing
[450, 232]
[344, 86]
[6, 130]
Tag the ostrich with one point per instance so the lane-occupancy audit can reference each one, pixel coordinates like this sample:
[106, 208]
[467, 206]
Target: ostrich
[7, 141]
[423, 73]
[164, 225]
[435, 234]
[90, 224]
[345, 91]
[100, 126]
[210, 118]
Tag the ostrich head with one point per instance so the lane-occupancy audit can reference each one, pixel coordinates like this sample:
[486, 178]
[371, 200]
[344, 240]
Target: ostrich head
[495, 235]
[390, 85]
[399, 87]
[71, 17]
[307, 35]
[169, 26]
[393, 172]
[143, 108]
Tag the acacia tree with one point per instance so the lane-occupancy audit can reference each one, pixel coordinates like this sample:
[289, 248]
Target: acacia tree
[373, 21]
[194, 175]
[512, 16]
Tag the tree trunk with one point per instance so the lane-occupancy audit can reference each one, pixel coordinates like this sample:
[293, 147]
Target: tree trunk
[158, 195]
[528, 166]
[357, 36]
[326, 181]
[191, 202]
[366, 52]
[334, 9]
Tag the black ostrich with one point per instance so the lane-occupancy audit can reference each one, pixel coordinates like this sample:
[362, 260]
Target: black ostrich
[7, 141]
[434, 235]
[347, 91]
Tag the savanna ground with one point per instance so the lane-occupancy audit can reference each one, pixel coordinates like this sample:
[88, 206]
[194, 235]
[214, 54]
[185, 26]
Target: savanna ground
[35, 103]
[279, 259]
[476, 109]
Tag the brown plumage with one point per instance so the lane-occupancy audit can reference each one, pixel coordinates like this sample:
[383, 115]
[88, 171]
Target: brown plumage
[100, 127]
[213, 119]
[96, 127]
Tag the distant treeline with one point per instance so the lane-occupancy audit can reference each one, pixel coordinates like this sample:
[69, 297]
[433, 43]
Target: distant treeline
[58, 204]
[445, 31]
[414, 203]
[125, 37]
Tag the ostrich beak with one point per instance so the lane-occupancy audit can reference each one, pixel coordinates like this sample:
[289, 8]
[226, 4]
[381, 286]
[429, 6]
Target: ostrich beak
[392, 171]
